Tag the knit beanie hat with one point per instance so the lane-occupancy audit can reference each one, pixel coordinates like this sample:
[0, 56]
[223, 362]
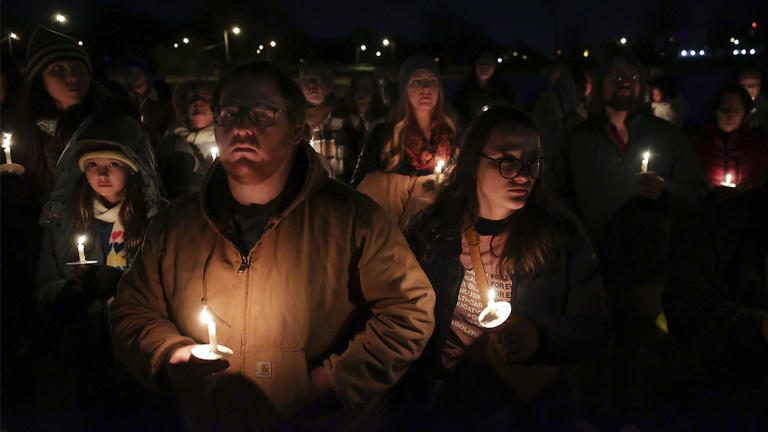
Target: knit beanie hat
[106, 152]
[47, 46]
[414, 63]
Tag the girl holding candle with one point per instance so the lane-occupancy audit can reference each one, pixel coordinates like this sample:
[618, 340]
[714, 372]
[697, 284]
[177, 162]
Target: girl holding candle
[105, 190]
[729, 146]
[536, 257]
[397, 164]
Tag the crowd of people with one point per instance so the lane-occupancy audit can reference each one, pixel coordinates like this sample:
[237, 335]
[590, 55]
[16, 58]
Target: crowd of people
[379, 259]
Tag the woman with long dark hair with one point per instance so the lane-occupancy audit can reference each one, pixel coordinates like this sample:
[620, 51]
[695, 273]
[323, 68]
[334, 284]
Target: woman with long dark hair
[105, 192]
[396, 166]
[494, 236]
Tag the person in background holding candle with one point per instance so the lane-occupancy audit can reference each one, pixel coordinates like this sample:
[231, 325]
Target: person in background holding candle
[183, 157]
[716, 302]
[632, 218]
[311, 285]
[729, 145]
[397, 165]
[105, 190]
[536, 257]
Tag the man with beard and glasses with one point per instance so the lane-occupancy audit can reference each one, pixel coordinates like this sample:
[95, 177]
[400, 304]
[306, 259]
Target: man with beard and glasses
[634, 180]
[313, 288]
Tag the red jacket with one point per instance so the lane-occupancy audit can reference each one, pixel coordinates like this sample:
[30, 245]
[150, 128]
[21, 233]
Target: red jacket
[743, 154]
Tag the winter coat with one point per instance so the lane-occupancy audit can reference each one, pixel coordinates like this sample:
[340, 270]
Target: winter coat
[597, 180]
[183, 159]
[742, 153]
[716, 298]
[331, 282]
[566, 304]
[59, 242]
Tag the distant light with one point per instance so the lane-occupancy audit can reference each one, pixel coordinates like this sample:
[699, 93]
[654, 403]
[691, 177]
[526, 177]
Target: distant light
[684, 53]
[261, 47]
[702, 52]
[754, 24]
[185, 40]
[272, 44]
[735, 41]
[735, 52]
[363, 47]
[385, 42]
[14, 36]
[752, 51]
[623, 41]
[499, 60]
[236, 30]
[80, 43]
[525, 57]
[175, 45]
[693, 53]
[514, 54]
[378, 53]
[60, 18]
[744, 52]
[585, 53]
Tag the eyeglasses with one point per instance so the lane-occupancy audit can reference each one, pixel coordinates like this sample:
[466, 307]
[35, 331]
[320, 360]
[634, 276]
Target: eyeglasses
[511, 167]
[259, 115]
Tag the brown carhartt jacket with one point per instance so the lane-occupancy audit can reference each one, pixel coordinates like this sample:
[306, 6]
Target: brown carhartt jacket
[331, 282]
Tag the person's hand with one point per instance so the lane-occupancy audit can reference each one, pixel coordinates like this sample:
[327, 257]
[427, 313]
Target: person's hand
[320, 378]
[516, 340]
[650, 185]
[187, 372]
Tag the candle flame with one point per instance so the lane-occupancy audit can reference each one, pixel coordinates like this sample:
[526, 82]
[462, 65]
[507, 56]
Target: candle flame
[81, 240]
[439, 167]
[205, 316]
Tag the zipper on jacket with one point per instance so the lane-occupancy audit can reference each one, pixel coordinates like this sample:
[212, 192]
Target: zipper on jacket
[243, 264]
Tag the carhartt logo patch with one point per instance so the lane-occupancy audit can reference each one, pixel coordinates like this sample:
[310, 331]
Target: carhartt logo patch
[264, 369]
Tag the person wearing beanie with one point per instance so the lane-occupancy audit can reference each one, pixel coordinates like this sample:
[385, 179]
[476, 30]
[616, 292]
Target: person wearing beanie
[635, 181]
[331, 136]
[60, 95]
[155, 110]
[403, 163]
[105, 192]
[184, 156]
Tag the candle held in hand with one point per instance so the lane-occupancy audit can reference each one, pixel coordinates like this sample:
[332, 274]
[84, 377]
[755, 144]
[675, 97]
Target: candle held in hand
[81, 248]
[207, 318]
[644, 165]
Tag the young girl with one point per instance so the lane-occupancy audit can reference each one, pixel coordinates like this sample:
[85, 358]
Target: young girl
[106, 191]
[400, 163]
[533, 255]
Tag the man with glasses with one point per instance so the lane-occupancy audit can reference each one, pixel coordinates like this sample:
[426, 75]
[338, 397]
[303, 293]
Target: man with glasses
[311, 286]
[331, 136]
[628, 174]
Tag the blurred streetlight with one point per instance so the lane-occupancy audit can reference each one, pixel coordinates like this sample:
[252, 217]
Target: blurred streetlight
[59, 18]
[236, 31]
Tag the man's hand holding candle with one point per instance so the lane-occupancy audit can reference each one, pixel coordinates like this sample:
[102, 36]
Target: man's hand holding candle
[650, 185]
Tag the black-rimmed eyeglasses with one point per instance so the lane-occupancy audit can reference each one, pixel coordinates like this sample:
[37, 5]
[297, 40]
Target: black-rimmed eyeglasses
[259, 115]
[511, 167]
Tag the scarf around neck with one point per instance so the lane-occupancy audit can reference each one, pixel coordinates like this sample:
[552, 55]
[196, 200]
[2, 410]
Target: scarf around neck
[116, 253]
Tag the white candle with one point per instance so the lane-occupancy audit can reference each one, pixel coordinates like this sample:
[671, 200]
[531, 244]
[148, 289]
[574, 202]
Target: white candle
[644, 165]
[728, 181]
[81, 248]
[214, 152]
[7, 141]
[207, 318]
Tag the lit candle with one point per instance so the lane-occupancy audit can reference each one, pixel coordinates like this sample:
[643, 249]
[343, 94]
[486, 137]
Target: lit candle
[207, 318]
[728, 181]
[439, 170]
[7, 141]
[81, 248]
[644, 165]
[214, 152]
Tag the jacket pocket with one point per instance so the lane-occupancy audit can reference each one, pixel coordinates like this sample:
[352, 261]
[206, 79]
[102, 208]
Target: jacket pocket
[282, 374]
